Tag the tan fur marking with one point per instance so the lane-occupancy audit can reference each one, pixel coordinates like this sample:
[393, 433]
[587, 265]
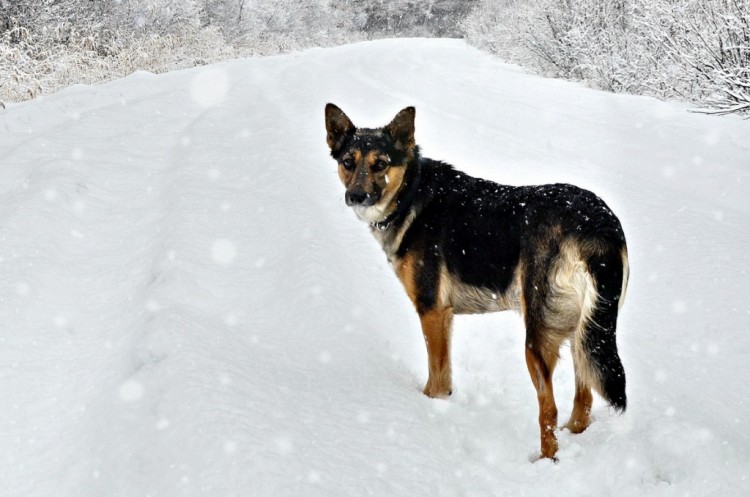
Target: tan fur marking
[468, 299]
[436, 327]
[580, 418]
[406, 272]
[520, 273]
[390, 241]
[344, 176]
[573, 301]
[390, 187]
[570, 286]
[625, 276]
[371, 157]
[388, 181]
[547, 406]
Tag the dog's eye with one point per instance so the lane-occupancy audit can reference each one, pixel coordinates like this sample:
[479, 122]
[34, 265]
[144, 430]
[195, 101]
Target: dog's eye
[348, 163]
[380, 165]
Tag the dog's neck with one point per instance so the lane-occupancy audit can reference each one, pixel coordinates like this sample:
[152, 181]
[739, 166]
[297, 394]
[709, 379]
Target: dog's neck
[403, 201]
[390, 239]
[390, 231]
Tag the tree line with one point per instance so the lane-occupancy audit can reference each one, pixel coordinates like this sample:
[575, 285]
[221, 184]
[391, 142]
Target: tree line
[694, 50]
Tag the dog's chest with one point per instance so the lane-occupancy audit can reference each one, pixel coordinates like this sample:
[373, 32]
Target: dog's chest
[390, 239]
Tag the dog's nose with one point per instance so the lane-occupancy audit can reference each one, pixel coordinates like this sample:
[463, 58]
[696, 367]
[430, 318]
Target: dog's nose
[357, 197]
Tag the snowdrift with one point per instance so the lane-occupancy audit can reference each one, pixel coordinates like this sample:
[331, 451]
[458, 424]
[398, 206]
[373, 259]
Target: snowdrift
[188, 308]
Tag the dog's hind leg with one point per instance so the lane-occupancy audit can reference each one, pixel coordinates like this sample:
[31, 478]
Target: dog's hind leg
[585, 292]
[541, 376]
[542, 346]
[580, 418]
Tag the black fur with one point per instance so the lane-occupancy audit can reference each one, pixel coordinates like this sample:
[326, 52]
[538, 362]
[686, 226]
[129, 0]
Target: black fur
[481, 228]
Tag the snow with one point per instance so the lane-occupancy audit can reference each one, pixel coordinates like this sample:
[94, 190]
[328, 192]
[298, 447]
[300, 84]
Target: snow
[189, 308]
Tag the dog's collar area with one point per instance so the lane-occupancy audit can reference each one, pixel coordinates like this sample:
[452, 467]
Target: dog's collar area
[381, 225]
[385, 223]
[403, 204]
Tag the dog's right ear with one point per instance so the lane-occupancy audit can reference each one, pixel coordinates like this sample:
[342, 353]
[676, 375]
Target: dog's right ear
[402, 129]
[338, 127]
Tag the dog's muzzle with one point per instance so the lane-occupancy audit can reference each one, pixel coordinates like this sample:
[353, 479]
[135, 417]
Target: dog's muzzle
[360, 198]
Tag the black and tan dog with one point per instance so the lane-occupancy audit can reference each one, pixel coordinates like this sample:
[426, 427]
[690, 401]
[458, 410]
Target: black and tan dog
[463, 245]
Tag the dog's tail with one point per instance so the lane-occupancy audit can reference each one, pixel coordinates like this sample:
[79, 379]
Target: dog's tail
[597, 362]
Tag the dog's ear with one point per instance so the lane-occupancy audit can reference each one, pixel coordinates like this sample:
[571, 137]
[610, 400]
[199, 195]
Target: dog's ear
[401, 128]
[338, 127]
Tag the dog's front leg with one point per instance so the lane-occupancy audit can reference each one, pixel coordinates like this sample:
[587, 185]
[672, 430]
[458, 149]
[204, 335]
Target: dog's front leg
[420, 276]
[436, 327]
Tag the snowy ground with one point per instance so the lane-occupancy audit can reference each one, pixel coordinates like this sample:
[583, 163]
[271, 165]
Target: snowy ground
[188, 308]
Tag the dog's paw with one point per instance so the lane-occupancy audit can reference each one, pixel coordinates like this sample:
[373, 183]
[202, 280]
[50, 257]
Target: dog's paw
[437, 392]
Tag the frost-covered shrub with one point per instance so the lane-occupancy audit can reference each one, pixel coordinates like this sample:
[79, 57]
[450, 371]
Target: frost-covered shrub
[266, 27]
[497, 27]
[697, 50]
[40, 63]
[710, 41]
[442, 18]
[46, 44]
[271, 26]
[282, 25]
[128, 16]
[588, 40]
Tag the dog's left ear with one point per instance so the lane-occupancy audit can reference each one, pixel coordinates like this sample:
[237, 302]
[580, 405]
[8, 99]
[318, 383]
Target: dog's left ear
[401, 128]
[338, 126]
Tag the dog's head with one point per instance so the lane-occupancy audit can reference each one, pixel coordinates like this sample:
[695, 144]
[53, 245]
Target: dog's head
[372, 162]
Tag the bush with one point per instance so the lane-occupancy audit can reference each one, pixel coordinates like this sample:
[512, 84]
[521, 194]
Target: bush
[392, 18]
[47, 44]
[265, 27]
[41, 63]
[698, 50]
[710, 41]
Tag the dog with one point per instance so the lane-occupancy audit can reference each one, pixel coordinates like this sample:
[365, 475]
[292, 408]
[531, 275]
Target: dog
[464, 245]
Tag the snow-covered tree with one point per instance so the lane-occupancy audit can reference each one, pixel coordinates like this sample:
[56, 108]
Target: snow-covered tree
[411, 17]
[698, 50]
[710, 40]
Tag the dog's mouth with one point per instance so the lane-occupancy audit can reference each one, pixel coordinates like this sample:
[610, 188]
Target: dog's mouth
[369, 214]
[367, 206]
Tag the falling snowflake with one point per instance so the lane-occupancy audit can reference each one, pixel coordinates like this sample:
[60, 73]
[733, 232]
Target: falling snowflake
[209, 87]
[223, 251]
[131, 391]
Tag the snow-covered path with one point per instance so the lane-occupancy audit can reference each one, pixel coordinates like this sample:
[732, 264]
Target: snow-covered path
[188, 308]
